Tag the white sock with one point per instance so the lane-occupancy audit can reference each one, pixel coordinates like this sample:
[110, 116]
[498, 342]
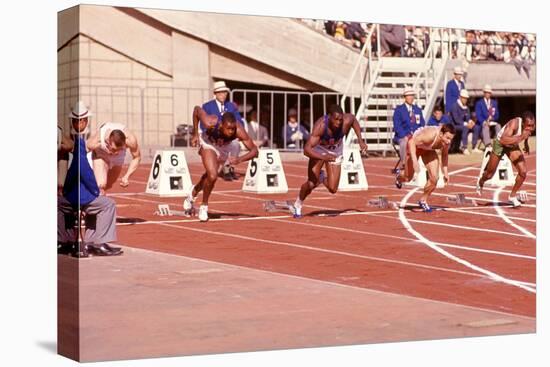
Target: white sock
[298, 202]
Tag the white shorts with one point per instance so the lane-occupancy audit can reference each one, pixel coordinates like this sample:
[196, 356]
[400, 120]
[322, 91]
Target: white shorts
[335, 150]
[110, 159]
[222, 152]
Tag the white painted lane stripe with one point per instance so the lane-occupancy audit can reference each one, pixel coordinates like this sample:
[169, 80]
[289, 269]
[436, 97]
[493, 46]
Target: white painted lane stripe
[326, 282]
[489, 188]
[316, 249]
[450, 256]
[374, 213]
[501, 213]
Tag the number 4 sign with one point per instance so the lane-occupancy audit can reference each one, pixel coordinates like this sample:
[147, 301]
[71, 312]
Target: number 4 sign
[265, 174]
[169, 174]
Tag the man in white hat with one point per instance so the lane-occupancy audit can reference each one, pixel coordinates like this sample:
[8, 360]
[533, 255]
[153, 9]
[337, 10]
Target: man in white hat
[407, 118]
[218, 106]
[487, 114]
[463, 122]
[79, 116]
[453, 88]
[108, 146]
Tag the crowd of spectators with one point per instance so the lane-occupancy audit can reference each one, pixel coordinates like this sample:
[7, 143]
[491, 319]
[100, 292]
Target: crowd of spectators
[412, 41]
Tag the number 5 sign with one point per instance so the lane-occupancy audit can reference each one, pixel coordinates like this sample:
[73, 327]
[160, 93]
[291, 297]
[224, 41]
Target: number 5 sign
[265, 174]
[169, 174]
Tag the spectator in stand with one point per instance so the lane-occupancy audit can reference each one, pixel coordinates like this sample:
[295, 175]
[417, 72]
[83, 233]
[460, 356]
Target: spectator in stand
[438, 118]
[392, 39]
[461, 119]
[356, 34]
[453, 88]
[487, 114]
[294, 132]
[407, 118]
[256, 131]
[512, 55]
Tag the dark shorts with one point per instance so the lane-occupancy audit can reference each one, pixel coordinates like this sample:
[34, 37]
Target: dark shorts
[500, 149]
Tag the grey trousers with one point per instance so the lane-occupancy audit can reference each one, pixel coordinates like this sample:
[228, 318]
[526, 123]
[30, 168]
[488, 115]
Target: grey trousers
[486, 133]
[102, 230]
[402, 151]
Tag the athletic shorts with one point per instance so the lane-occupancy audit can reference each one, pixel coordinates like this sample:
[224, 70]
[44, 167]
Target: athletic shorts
[500, 149]
[110, 159]
[336, 150]
[222, 152]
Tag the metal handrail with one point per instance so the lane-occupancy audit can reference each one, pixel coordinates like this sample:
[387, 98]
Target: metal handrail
[366, 46]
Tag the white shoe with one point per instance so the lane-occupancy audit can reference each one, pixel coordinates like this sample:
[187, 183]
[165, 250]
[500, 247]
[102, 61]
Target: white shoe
[466, 151]
[479, 189]
[188, 206]
[296, 211]
[514, 201]
[477, 150]
[203, 213]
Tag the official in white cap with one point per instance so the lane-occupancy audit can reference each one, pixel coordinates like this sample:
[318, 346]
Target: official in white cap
[453, 88]
[488, 114]
[218, 106]
[79, 116]
[464, 124]
[407, 118]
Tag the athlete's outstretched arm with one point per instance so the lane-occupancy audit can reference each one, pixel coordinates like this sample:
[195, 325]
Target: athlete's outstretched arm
[445, 163]
[412, 151]
[136, 158]
[248, 143]
[357, 129]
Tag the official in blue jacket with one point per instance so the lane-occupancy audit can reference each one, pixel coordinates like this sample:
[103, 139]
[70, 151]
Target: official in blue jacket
[81, 192]
[453, 88]
[407, 117]
[462, 120]
[438, 118]
[487, 115]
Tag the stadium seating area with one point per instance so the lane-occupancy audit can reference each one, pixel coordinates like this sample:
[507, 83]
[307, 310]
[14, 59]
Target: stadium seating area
[473, 45]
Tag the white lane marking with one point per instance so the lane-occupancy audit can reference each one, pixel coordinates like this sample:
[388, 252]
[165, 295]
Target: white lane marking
[334, 252]
[432, 245]
[326, 282]
[505, 218]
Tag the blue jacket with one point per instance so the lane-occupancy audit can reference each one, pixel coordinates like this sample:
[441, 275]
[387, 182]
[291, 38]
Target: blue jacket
[403, 124]
[211, 108]
[289, 131]
[80, 187]
[482, 113]
[433, 122]
[452, 93]
[459, 115]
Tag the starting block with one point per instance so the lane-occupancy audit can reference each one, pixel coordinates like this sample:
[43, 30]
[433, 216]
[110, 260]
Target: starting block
[460, 199]
[382, 202]
[273, 206]
[165, 211]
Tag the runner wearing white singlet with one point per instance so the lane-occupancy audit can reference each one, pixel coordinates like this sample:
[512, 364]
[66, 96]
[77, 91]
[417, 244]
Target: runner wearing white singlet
[424, 143]
[108, 146]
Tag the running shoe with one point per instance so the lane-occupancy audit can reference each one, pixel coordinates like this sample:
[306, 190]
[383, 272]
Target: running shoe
[398, 183]
[203, 213]
[514, 201]
[188, 207]
[425, 207]
[296, 211]
[479, 189]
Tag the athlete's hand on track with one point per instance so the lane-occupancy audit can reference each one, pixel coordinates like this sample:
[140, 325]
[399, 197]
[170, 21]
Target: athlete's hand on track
[124, 182]
[446, 178]
[364, 149]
